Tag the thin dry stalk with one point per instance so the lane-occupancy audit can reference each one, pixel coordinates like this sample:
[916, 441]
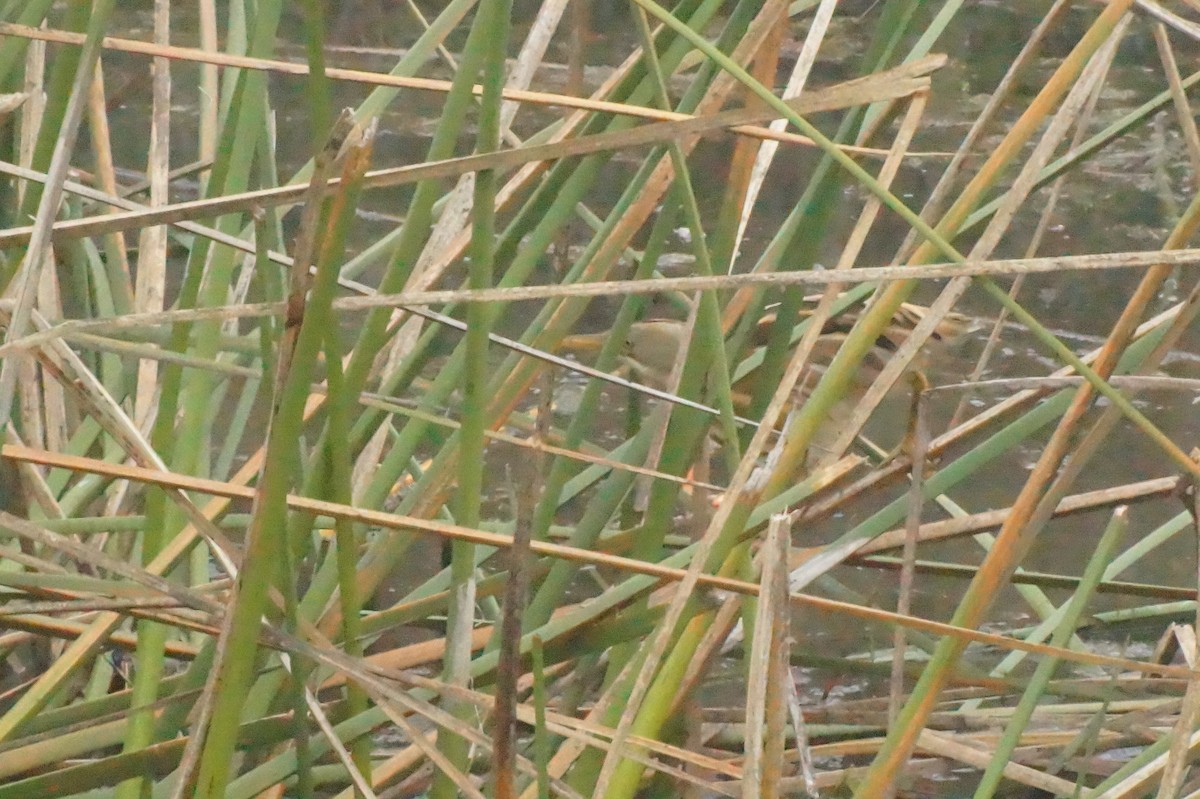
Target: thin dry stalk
[441, 86]
[851, 428]
[1183, 110]
[780, 686]
[150, 290]
[106, 178]
[230, 490]
[755, 782]
[34, 107]
[361, 782]
[25, 282]
[516, 589]
[918, 437]
[942, 745]
[1175, 767]
[1031, 250]
[795, 87]
[504, 718]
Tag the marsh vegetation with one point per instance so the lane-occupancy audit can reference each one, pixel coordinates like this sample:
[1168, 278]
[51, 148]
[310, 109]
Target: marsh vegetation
[716, 398]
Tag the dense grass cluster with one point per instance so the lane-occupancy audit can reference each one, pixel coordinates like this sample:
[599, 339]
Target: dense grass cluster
[535, 456]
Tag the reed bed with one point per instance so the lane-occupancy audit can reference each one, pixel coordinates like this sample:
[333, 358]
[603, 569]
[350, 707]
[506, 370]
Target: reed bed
[535, 458]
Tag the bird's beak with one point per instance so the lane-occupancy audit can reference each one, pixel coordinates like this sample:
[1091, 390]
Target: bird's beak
[583, 343]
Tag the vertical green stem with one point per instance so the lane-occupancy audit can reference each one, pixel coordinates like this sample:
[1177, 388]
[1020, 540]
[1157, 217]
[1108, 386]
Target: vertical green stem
[494, 19]
[260, 569]
[1105, 548]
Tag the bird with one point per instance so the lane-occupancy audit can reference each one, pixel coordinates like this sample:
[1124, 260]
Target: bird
[651, 347]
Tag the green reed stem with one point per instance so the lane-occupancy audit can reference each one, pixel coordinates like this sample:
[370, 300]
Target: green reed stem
[1092, 574]
[260, 568]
